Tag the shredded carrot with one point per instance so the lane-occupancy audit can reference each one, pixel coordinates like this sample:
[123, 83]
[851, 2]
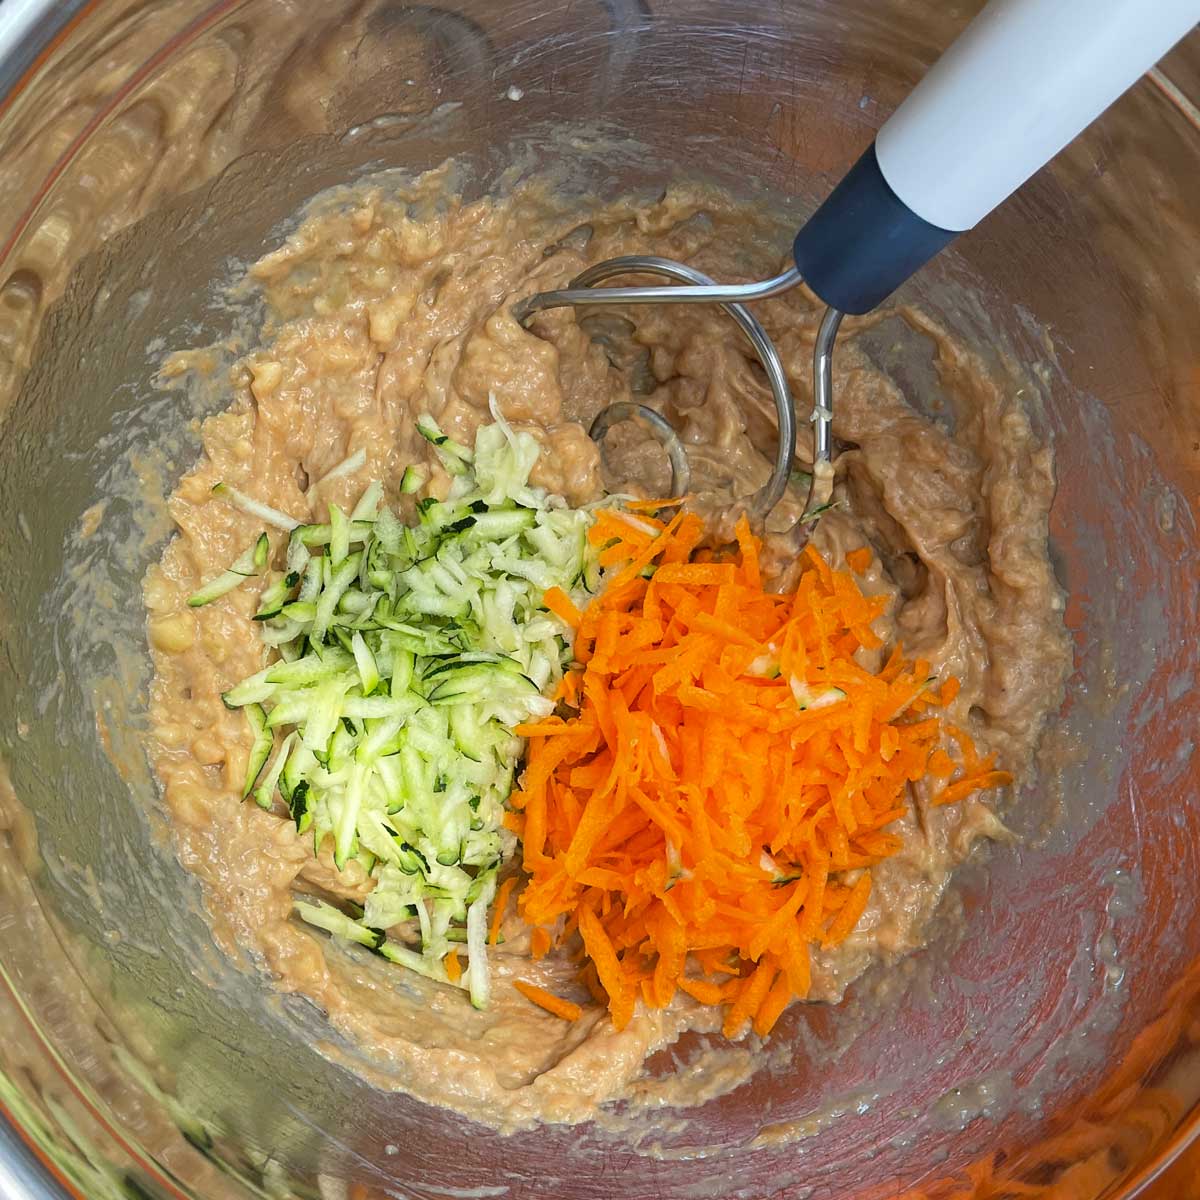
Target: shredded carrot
[770, 1010]
[452, 966]
[852, 909]
[750, 995]
[567, 1009]
[973, 783]
[568, 689]
[859, 560]
[539, 943]
[721, 792]
[702, 990]
[651, 506]
[940, 764]
[562, 606]
[499, 907]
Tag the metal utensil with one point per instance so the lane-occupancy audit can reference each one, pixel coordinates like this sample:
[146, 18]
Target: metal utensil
[1022, 80]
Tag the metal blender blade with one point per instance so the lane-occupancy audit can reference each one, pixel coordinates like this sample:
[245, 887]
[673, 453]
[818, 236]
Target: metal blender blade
[698, 288]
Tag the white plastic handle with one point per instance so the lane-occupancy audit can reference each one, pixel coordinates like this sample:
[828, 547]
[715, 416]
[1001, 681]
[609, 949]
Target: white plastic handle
[1022, 80]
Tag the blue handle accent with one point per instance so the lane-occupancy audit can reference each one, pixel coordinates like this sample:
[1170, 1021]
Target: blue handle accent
[864, 241]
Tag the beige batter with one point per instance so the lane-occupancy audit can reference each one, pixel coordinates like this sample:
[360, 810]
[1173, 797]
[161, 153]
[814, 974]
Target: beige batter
[387, 304]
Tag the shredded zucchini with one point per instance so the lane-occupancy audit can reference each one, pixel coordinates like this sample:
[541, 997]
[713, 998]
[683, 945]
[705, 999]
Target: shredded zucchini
[255, 508]
[251, 562]
[408, 653]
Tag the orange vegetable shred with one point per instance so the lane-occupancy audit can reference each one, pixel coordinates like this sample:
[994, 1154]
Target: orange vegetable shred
[714, 804]
[567, 1009]
[561, 605]
[499, 907]
[539, 944]
[859, 560]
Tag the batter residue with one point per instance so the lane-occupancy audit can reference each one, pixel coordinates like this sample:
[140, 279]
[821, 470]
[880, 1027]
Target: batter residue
[386, 304]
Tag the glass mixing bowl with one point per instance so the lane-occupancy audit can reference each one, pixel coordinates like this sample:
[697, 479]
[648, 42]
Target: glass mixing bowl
[148, 145]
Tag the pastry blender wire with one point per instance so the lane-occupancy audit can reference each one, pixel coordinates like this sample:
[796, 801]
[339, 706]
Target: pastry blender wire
[1020, 82]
